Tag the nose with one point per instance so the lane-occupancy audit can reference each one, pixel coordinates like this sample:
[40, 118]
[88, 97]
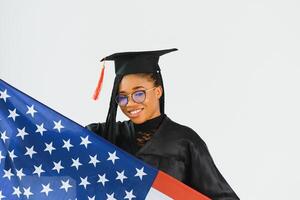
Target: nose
[130, 102]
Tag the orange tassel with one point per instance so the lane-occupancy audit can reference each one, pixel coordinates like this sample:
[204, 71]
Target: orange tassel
[100, 83]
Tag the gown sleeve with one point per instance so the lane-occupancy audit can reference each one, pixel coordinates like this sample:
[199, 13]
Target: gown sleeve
[204, 175]
[97, 128]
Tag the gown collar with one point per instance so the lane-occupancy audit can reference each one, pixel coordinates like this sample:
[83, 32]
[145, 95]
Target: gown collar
[149, 125]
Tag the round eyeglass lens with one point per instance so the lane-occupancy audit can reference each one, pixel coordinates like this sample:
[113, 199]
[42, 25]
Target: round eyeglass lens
[122, 100]
[139, 96]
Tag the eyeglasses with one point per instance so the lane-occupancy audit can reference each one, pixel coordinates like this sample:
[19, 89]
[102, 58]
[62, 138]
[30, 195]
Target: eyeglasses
[138, 96]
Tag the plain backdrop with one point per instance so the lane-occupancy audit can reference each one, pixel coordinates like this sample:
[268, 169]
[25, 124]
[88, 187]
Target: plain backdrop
[235, 79]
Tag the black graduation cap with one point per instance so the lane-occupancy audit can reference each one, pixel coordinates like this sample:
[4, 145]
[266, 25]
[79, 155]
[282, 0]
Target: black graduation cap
[137, 62]
[128, 63]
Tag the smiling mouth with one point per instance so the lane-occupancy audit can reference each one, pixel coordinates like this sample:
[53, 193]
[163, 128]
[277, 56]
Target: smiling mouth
[135, 113]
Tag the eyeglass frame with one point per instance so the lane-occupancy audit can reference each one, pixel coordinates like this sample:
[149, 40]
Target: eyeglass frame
[130, 94]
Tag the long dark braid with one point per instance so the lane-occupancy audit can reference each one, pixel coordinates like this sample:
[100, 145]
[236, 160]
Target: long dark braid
[111, 131]
[162, 98]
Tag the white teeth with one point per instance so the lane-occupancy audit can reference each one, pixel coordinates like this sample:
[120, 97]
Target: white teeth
[135, 111]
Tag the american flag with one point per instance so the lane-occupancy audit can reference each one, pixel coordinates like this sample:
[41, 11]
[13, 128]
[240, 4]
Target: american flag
[44, 155]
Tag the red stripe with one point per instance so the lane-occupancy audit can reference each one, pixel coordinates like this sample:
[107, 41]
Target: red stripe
[175, 189]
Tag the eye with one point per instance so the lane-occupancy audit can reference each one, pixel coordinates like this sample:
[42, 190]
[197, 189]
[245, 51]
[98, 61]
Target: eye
[139, 93]
[121, 99]
[139, 96]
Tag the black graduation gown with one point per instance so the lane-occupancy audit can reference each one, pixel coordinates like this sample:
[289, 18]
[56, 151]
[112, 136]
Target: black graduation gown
[177, 150]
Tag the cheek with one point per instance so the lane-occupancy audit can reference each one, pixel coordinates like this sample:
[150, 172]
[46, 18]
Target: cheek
[150, 102]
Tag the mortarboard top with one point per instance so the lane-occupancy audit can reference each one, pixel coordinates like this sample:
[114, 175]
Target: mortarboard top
[137, 62]
[132, 63]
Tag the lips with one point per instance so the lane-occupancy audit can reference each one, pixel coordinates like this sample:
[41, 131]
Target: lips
[134, 113]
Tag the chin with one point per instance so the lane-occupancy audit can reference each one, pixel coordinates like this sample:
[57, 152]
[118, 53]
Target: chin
[138, 120]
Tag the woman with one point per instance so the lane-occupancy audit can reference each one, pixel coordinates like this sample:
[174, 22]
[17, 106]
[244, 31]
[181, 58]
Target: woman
[150, 134]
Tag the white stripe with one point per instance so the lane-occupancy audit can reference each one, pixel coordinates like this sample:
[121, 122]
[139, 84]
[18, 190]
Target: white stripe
[155, 194]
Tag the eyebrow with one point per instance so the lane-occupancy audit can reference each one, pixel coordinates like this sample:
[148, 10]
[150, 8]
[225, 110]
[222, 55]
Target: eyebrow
[136, 87]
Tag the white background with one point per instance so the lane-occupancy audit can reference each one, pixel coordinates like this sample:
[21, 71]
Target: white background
[235, 79]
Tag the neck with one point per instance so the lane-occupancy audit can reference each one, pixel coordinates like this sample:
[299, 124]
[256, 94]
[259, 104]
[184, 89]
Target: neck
[150, 124]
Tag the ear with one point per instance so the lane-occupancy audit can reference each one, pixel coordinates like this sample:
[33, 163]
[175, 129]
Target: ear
[158, 92]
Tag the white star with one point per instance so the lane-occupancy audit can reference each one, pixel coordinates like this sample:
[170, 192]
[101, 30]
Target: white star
[113, 157]
[140, 172]
[85, 141]
[7, 174]
[46, 189]
[40, 129]
[49, 147]
[4, 95]
[91, 198]
[58, 125]
[94, 160]
[121, 176]
[84, 182]
[1, 195]
[31, 110]
[129, 195]
[13, 114]
[38, 170]
[21, 133]
[30, 151]
[102, 179]
[1, 157]
[17, 191]
[4, 136]
[76, 163]
[27, 192]
[67, 145]
[20, 173]
[110, 196]
[65, 185]
[57, 166]
[12, 155]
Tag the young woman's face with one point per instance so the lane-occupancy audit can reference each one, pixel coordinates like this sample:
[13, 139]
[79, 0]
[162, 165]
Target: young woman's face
[149, 108]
